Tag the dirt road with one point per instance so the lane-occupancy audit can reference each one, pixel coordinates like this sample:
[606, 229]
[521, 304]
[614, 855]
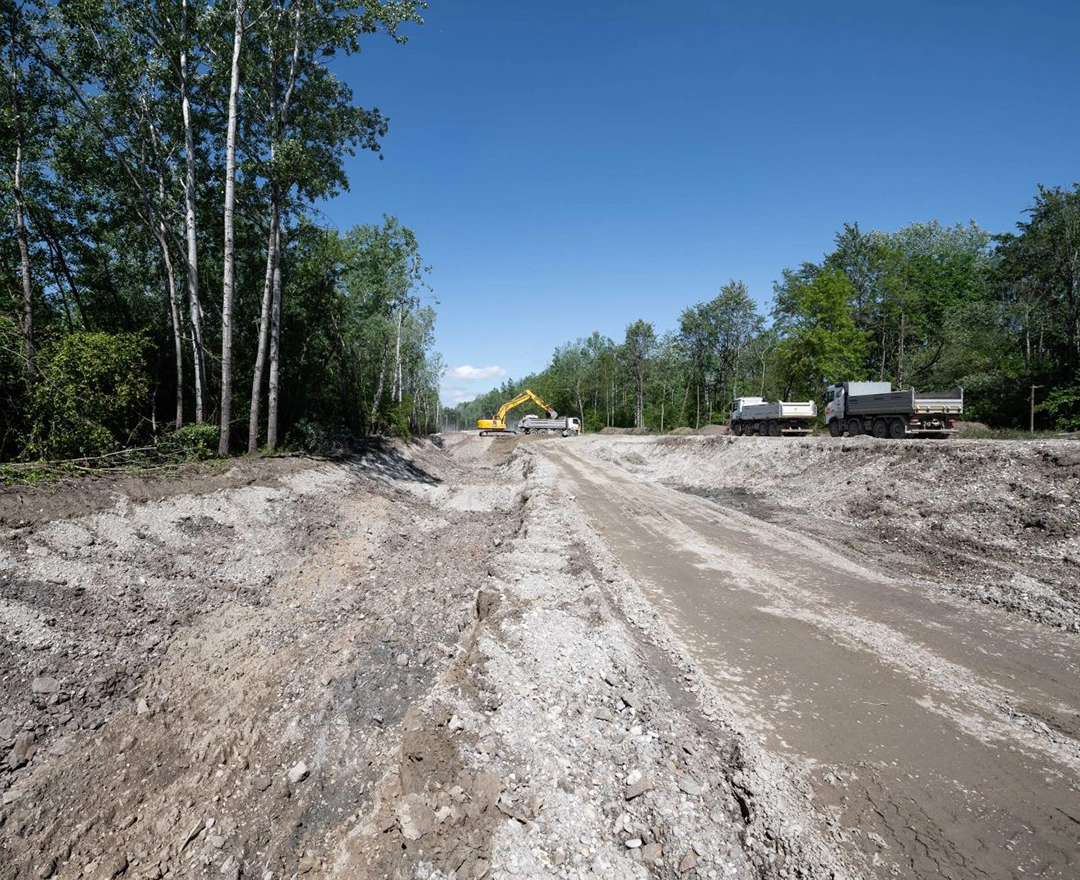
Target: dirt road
[941, 735]
[600, 657]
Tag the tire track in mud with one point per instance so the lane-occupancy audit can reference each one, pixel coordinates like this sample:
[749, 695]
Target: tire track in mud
[902, 706]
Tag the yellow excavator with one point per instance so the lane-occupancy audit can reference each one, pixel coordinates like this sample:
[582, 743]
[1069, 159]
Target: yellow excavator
[497, 424]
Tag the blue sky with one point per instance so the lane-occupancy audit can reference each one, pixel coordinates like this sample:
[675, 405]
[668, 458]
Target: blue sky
[574, 166]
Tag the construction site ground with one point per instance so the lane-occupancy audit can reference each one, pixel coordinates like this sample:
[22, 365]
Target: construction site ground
[608, 656]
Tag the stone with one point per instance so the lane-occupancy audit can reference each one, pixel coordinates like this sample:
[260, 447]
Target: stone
[7, 729]
[688, 863]
[142, 707]
[45, 684]
[110, 867]
[298, 773]
[24, 744]
[261, 783]
[46, 870]
[690, 786]
[651, 854]
[414, 816]
[638, 788]
[633, 843]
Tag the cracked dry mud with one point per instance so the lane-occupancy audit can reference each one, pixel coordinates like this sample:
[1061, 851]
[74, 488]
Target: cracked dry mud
[607, 656]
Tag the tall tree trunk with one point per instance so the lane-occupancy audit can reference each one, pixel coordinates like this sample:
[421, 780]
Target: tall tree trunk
[174, 315]
[195, 313]
[52, 241]
[27, 322]
[375, 421]
[396, 394]
[264, 324]
[275, 353]
[229, 275]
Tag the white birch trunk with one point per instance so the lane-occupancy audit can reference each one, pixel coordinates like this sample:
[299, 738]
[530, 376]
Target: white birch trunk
[195, 313]
[229, 275]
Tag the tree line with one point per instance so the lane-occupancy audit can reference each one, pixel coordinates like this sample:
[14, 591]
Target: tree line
[165, 267]
[928, 306]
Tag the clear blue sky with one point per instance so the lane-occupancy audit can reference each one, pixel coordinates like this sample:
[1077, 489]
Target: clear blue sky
[574, 166]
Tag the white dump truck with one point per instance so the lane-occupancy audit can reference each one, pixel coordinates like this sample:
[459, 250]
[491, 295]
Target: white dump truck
[755, 415]
[855, 408]
[566, 425]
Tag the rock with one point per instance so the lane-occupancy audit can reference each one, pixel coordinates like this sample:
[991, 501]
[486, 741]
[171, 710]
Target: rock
[651, 854]
[633, 843]
[10, 796]
[142, 707]
[688, 863]
[7, 729]
[690, 786]
[414, 816]
[402, 659]
[45, 684]
[455, 724]
[110, 867]
[24, 744]
[638, 788]
[298, 773]
[46, 870]
[261, 783]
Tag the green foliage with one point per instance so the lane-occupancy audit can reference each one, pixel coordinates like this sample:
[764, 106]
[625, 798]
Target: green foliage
[820, 342]
[191, 442]
[1062, 405]
[92, 389]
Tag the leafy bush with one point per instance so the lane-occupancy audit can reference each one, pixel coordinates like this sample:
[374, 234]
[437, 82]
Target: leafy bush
[89, 396]
[1063, 406]
[191, 442]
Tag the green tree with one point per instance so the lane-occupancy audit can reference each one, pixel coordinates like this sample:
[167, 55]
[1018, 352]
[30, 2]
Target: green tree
[637, 353]
[819, 340]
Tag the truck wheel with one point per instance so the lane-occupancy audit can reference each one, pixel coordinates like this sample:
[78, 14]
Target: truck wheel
[897, 429]
[774, 429]
[737, 429]
[881, 429]
[835, 428]
[854, 427]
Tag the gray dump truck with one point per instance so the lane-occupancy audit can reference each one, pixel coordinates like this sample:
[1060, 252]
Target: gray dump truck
[855, 408]
[755, 415]
[568, 426]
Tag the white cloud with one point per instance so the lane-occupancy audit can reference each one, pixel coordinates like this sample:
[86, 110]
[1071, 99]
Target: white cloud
[452, 395]
[467, 372]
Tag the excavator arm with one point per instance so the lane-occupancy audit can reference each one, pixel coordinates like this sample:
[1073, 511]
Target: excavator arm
[498, 422]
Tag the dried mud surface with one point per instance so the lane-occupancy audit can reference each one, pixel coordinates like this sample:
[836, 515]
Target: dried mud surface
[421, 661]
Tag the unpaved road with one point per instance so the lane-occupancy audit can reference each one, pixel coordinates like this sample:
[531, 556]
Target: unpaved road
[598, 657]
[940, 734]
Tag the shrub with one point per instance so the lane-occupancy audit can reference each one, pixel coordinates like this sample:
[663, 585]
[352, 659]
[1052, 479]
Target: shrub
[88, 398]
[191, 442]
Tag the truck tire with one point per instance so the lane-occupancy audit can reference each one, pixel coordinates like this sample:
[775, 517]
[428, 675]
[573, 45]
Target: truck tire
[897, 429]
[835, 428]
[881, 429]
[737, 429]
[773, 428]
[854, 427]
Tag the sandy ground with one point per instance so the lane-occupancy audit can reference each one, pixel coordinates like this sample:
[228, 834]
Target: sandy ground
[491, 657]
